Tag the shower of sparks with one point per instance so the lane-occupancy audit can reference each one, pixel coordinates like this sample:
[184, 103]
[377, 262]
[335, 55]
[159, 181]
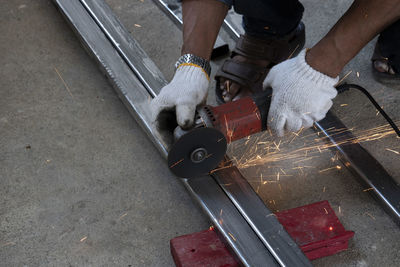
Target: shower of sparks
[259, 152]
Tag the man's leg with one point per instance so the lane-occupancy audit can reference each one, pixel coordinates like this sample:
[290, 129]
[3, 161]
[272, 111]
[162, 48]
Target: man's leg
[266, 23]
[202, 20]
[387, 52]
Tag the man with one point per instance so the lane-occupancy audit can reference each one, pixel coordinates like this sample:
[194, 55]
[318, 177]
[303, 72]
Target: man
[303, 86]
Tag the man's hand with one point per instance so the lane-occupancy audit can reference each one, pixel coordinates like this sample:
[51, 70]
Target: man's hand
[301, 95]
[181, 96]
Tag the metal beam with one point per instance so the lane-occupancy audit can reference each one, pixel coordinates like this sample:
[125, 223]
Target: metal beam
[360, 162]
[100, 38]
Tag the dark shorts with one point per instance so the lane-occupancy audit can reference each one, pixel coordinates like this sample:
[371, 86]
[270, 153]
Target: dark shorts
[268, 17]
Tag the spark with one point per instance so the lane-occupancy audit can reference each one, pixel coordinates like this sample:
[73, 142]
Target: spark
[8, 244]
[327, 169]
[62, 80]
[394, 151]
[234, 239]
[340, 211]
[138, 25]
[176, 163]
[344, 77]
[358, 74]
[83, 238]
[326, 211]
[343, 105]
[277, 177]
[291, 54]
[330, 228]
[123, 215]
[370, 215]
[324, 189]
[368, 189]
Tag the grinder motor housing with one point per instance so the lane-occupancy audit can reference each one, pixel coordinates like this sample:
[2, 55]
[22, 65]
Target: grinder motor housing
[199, 150]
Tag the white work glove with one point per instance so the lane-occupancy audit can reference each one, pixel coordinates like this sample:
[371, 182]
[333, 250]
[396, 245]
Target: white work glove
[300, 95]
[181, 96]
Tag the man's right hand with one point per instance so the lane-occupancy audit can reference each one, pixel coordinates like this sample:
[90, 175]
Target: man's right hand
[180, 97]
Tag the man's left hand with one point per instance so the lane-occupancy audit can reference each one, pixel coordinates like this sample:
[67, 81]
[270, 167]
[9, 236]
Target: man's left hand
[301, 95]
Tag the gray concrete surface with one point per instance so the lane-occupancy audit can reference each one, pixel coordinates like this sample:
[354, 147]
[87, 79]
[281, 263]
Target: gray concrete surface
[76, 167]
[79, 166]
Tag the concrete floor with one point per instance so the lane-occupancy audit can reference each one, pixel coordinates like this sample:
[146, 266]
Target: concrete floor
[83, 186]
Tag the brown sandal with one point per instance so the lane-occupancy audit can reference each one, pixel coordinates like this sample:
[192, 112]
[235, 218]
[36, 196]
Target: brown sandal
[250, 76]
[390, 73]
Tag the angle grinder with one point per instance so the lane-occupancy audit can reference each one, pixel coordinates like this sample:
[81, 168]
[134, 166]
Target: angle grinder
[199, 150]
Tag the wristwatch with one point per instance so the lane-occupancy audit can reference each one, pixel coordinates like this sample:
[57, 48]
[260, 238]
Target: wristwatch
[193, 59]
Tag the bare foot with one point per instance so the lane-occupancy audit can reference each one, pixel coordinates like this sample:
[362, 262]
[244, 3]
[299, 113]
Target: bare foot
[383, 66]
[232, 91]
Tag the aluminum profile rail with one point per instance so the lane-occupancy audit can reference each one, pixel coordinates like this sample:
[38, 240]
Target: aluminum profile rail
[121, 63]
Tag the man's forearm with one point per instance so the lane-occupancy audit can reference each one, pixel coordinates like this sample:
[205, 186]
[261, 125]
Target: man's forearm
[202, 22]
[360, 24]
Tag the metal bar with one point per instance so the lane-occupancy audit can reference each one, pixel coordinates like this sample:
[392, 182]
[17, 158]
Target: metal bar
[231, 27]
[364, 165]
[141, 65]
[261, 219]
[237, 233]
[282, 246]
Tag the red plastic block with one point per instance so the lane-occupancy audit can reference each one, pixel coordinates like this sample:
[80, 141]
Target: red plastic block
[202, 249]
[315, 228]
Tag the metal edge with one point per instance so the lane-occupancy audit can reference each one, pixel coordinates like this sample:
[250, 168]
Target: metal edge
[261, 219]
[248, 248]
[360, 162]
[229, 27]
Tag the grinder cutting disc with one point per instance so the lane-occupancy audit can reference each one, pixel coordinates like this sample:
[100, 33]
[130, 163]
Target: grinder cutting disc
[197, 152]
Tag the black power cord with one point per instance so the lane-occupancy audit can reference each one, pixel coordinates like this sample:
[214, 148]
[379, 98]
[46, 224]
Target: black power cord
[344, 87]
